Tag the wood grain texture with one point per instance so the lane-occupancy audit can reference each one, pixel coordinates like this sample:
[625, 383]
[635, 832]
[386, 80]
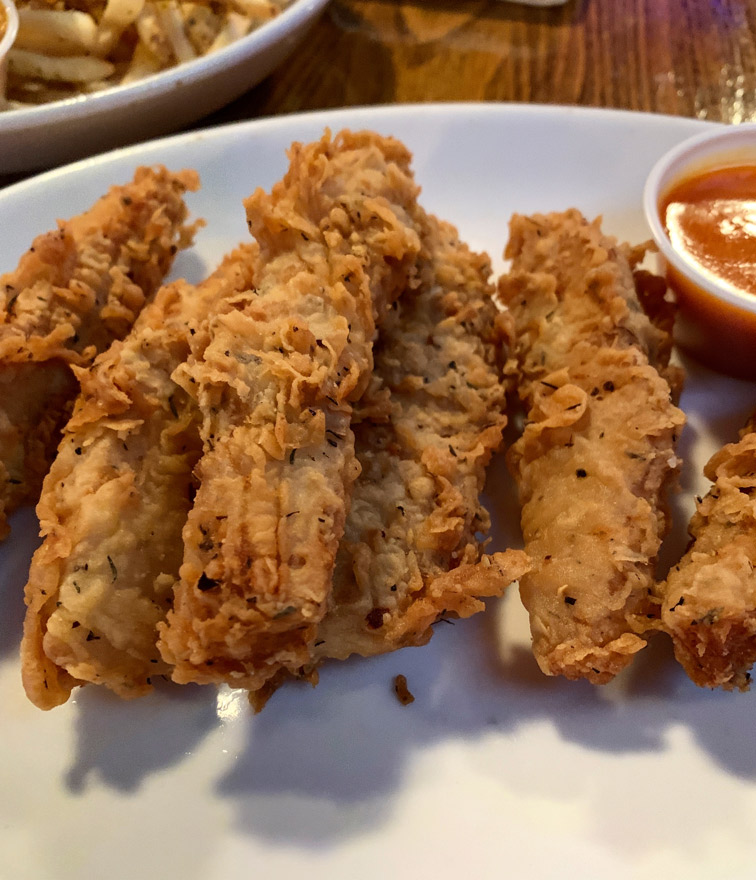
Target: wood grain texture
[693, 58]
[683, 57]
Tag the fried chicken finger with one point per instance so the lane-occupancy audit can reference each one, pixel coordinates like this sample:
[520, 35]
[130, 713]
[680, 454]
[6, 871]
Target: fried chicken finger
[75, 291]
[275, 377]
[115, 502]
[411, 548]
[709, 598]
[598, 450]
[424, 432]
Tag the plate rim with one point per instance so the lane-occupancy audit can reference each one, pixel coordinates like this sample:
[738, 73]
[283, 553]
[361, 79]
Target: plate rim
[362, 111]
[231, 850]
[80, 107]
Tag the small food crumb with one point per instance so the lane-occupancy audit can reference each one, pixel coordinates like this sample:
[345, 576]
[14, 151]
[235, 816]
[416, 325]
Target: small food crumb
[402, 691]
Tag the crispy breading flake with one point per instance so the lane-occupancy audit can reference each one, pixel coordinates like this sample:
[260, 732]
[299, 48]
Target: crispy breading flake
[115, 502]
[275, 376]
[425, 431]
[708, 602]
[75, 291]
[597, 454]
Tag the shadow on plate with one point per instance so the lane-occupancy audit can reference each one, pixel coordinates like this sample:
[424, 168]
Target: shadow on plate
[319, 767]
[323, 766]
[124, 742]
[15, 552]
[327, 764]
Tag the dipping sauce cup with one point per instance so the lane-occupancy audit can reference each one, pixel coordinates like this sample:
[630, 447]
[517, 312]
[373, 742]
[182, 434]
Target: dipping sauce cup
[700, 202]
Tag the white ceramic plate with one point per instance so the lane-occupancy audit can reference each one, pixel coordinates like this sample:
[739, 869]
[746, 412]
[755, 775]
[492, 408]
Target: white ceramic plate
[40, 137]
[495, 770]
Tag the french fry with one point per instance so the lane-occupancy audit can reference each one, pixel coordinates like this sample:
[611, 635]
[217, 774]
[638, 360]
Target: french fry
[258, 10]
[118, 15]
[70, 69]
[143, 63]
[152, 36]
[236, 26]
[53, 32]
[202, 25]
[169, 16]
[62, 52]
[121, 13]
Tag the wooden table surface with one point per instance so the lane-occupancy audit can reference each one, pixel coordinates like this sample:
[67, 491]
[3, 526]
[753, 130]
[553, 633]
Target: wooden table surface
[692, 58]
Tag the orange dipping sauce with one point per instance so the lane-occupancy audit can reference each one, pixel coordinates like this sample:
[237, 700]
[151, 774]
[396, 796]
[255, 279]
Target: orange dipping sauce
[710, 219]
[3, 22]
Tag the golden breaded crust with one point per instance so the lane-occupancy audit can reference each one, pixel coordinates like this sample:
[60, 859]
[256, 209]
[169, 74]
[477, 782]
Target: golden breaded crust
[424, 433]
[709, 598]
[75, 291]
[424, 436]
[597, 454]
[275, 377]
[115, 502]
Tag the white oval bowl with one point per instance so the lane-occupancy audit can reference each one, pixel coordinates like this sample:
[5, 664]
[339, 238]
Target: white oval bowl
[51, 134]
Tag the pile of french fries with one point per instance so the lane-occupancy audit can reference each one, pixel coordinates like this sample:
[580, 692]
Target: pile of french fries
[66, 48]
